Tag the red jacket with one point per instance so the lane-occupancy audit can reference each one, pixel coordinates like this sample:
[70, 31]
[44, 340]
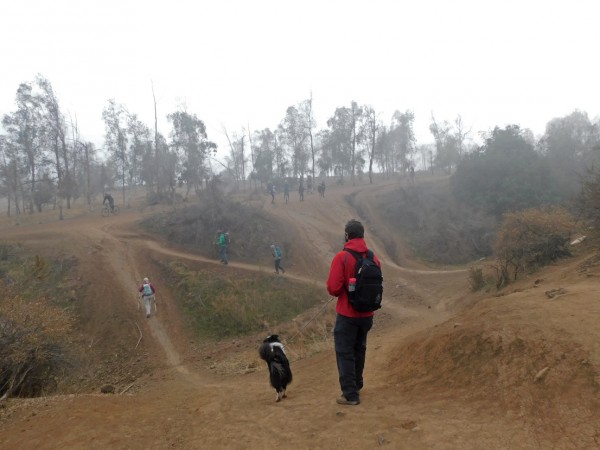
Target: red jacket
[342, 269]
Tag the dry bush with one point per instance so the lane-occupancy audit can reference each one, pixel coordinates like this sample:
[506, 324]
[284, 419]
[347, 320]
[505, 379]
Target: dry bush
[529, 239]
[33, 338]
[476, 279]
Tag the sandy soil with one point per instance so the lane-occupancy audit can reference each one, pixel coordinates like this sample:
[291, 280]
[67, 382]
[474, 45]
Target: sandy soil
[446, 369]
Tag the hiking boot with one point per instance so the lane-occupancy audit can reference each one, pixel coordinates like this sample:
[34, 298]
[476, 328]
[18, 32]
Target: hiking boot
[343, 401]
[147, 316]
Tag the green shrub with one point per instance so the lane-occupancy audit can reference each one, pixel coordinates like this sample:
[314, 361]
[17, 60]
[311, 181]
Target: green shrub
[219, 306]
[195, 227]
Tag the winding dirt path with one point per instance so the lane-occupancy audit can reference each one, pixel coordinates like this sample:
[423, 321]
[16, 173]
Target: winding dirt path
[186, 405]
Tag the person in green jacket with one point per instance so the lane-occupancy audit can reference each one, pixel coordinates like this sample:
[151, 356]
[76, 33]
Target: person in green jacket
[223, 243]
[276, 251]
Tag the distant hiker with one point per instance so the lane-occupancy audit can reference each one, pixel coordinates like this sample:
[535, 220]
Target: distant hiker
[321, 189]
[223, 243]
[286, 191]
[301, 190]
[147, 292]
[309, 184]
[277, 258]
[351, 326]
[111, 201]
[411, 172]
[272, 192]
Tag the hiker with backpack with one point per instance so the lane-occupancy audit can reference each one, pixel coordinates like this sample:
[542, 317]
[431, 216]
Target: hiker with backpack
[276, 251]
[111, 201]
[147, 291]
[223, 243]
[321, 189]
[272, 192]
[355, 279]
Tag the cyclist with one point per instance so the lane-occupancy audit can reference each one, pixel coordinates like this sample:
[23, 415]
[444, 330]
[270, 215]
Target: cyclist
[111, 202]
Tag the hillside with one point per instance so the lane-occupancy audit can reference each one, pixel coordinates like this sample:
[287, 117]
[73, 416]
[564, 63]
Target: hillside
[445, 368]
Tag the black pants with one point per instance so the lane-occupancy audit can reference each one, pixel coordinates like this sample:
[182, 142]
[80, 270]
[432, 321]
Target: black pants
[350, 337]
[278, 265]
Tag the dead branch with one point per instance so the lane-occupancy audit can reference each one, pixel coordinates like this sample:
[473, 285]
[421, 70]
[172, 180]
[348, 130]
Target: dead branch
[139, 340]
[126, 389]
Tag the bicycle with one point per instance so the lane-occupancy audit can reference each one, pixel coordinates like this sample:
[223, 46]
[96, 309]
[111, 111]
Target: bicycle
[106, 210]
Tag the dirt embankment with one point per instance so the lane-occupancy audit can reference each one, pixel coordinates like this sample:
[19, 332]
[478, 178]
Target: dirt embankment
[517, 371]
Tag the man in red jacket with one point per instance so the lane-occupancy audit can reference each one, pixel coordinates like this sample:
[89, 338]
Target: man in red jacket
[351, 326]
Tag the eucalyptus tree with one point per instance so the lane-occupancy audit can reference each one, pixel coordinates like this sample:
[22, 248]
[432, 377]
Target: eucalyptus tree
[427, 154]
[86, 154]
[384, 154]
[282, 165]
[571, 141]
[505, 174]
[371, 128]
[140, 144]
[403, 139]
[264, 154]
[571, 145]
[8, 179]
[190, 141]
[236, 160]
[56, 131]
[446, 144]
[306, 109]
[25, 134]
[355, 138]
[340, 140]
[294, 133]
[462, 134]
[162, 165]
[325, 161]
[115, 122]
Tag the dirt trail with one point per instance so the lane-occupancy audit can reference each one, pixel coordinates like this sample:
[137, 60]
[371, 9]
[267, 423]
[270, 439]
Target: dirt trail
[185, 405]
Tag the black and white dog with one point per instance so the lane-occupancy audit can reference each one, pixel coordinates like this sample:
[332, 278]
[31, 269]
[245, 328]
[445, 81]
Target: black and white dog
[280, 374]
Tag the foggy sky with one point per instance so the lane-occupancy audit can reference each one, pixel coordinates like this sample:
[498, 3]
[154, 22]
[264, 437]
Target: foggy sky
[238, 63]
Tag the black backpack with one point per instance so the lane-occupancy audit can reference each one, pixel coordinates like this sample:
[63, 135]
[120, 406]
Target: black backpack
[369, 283]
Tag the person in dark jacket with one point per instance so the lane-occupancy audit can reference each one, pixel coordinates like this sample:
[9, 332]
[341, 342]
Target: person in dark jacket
[111, 201]
[223, 243]
[351, 326]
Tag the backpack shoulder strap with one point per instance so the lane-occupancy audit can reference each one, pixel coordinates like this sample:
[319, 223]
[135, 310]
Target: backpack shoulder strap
[357, 256]
[353, 253]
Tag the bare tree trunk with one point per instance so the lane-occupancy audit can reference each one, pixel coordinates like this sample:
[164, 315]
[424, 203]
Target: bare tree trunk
[252, 156]
[123, 156]
[156, 165]
[233, 159]
[310, 124]
[243, 163]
